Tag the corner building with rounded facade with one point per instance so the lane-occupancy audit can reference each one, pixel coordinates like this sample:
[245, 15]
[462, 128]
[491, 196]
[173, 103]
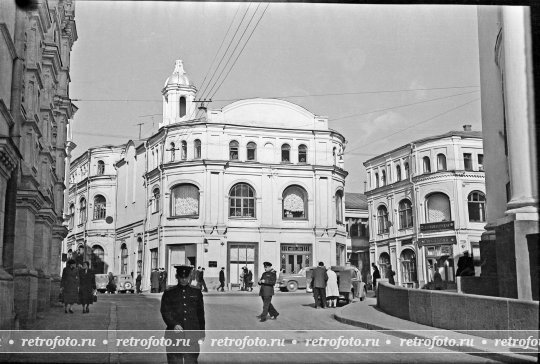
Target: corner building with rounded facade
[259, 180]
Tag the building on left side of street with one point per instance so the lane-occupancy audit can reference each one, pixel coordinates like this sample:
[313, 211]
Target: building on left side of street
[35, 110]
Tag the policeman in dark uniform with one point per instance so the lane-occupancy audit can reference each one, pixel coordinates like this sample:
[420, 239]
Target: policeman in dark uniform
[182, 309]
[267, 282]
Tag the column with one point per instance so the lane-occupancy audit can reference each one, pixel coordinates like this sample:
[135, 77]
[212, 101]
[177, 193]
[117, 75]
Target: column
[59, 232]
[519, 110]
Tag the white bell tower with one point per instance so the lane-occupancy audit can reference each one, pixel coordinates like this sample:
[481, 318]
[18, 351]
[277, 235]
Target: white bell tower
[178, 97]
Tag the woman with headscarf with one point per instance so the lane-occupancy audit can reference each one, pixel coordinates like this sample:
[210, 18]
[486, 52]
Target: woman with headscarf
[332, 289]
[87, 286]
[111, 286]
[69, 285]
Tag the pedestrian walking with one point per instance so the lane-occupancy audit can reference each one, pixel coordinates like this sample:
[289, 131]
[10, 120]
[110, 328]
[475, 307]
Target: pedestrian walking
[182, 310]
[390, 274]
[111, 286]
[87, 287]
[318, 284]
[465, 265]
[267, 282]
[332, 289]
[161, 284]
[138, 282]
[376, 275]
[69, 286]
[222, 280]
[164, 277]
[203, 283]
[154, 281]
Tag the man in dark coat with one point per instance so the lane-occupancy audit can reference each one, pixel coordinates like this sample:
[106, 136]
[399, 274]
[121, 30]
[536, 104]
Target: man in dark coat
[87, 286]
[222, 280]
[182, 310]
[164, 276]
[318, 283]
[267, 282]
[390, 274]
[465, 265]
[376, 275]
[138, 282]
[161, 286]
[69, 285]
[154, 280]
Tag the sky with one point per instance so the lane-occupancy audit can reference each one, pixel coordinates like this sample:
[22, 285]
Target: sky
[384, 75]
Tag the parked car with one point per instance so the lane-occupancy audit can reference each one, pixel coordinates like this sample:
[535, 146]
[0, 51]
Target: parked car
[292, 281]
[124, 283]
[101, 282]
[348, 282]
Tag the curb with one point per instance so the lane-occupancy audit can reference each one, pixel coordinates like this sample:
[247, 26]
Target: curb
[504, 357]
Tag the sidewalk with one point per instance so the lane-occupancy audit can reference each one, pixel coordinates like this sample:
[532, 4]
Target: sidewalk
[366, 315]
[235, 292]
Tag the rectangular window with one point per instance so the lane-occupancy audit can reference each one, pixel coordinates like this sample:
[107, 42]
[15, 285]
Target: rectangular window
[480, 162]
[467, 161]
[153, 258]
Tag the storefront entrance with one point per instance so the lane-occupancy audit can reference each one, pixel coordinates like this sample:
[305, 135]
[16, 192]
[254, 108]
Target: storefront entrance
[295, 257]
[241, 255]
[439, 258]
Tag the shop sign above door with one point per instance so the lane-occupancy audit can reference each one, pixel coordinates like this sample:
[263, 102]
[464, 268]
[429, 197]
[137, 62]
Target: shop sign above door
[436, 226]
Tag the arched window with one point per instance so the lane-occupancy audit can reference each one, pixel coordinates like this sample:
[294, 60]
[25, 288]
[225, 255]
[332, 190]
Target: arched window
[98, 260]
[405, 214]
[408, 266]
[427, 165]
[383, 178]
[398, 173]
[173, 152]
[124, 259]
[100, 210]
[438, 208]
[441, 162]
[156, 200]
[183, 151]
[377, 182]
[82, 211]
[407, 171]
[242, 201]
[182, 106]
[382, 220]
[384, 264]
[285, 153]
[339, 207]
[302, 153]
[477, 206]
[233, 150]
[100, 168]
[197, 149]
[294, 203]
[185, 201]
[251, 151]
[71, 215]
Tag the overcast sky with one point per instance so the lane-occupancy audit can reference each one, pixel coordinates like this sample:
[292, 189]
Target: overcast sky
[373, 60]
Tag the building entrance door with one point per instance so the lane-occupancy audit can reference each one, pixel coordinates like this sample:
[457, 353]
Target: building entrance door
[241, 255]
[295, 257]
[177, 256]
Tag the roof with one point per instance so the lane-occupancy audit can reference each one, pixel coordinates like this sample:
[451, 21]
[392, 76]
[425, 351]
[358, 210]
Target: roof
[355, 201]
[460, 133]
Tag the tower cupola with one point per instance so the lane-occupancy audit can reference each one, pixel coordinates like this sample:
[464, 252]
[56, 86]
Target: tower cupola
[178, 97]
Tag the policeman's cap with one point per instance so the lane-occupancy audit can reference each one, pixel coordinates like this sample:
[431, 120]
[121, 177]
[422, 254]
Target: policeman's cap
[183, 271]
[267, 264]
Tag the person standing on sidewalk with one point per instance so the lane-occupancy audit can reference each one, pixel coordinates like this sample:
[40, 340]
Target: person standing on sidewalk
[87, 287]
[332, 289]
[376, 275]
[154, 281]
[222, 280]
[182, 310]
[390, 274]
[318, 283]
[203, 283]
[249, 280]
[267, 282]
[69, 285]
[138, 282]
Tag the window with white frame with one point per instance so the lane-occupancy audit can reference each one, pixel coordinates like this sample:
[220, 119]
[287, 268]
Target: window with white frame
[438, 207]
[407, 171]
[302, 153]
[477, 206]
[183, 150]
[156, 197]
[285, 153]
[294, 203]
[382, 220]
[233, 150]
[405, 214]
[185, 201]
[82, 211]
[398, 173]
[197, 149]
[441, 162]
[71, 215]
[427, 165]
[467, 161]
[251, 151]
[339, 207]
[242, 201]
[100, 210]
[100, 168]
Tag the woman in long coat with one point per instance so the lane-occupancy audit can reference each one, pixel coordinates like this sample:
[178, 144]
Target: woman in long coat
[70, 285]
[332, 289]
[87, 286]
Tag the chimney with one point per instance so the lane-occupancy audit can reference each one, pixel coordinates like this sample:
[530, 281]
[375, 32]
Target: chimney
[467, 127]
